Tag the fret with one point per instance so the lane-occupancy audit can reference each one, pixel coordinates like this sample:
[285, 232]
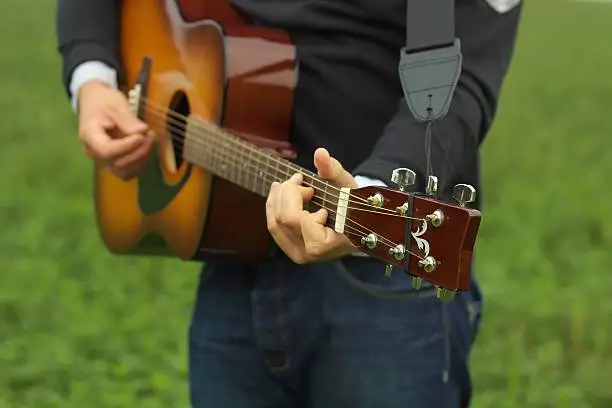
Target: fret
[277, 171]
[254, 177]
[227, 157]
[293, 168]
[245, 166]
[207, 149]
[260, 179]
[288, 171]
[315, 203]
[239, 166]
[236, 161]
[325, 197]
[222, 157]
[266, 166]
[214, 144]
[325, 192]
[231, 168]
[254, 167]
[243, 159]
[263, 174]
[216, 150]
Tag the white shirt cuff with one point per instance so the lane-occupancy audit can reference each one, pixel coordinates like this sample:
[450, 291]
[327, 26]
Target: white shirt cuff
[366, 181]
[88, 71]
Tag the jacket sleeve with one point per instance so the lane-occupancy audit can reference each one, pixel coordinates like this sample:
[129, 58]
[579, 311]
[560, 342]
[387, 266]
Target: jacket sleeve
[87, 31]
[487, 43]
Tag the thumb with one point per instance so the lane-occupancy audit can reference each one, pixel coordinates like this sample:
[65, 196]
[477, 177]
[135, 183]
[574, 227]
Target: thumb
[126, 121]
[331, 169]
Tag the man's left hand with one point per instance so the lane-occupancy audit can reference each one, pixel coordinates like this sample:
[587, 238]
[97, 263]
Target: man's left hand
[302, 235]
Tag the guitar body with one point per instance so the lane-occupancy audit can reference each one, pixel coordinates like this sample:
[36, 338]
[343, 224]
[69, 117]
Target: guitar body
[205, 61]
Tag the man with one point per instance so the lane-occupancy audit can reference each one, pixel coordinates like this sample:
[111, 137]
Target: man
[318, 327]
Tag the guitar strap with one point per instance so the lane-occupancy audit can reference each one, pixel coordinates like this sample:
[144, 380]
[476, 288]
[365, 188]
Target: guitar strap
[429, 69]
[430, 63]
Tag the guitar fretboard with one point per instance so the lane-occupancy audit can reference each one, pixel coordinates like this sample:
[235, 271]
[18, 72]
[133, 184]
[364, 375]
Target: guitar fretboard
[254, 169]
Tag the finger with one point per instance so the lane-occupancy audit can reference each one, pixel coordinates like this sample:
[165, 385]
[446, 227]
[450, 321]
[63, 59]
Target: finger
[271, 205]
[286, 239]
[134, 157]
[125, 120]
[89, 152]
[319, 217]
[290, 204]
[305, 193]
[291, 245]
[104, 147]
[127, 172]
[296, 179]
[318, 239]
[313, 226]
[331, 169]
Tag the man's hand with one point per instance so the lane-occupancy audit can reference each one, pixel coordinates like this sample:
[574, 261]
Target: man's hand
[303, 236]
[109, 130]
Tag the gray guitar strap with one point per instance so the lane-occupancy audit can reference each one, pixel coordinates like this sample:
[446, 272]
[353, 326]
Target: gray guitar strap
[430, 63]
[429, 69]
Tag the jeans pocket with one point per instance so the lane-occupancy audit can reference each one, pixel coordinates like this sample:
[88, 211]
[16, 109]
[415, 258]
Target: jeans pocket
[367, 276]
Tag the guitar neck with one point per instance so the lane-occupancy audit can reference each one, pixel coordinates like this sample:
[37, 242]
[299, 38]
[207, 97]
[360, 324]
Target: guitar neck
[254, 169]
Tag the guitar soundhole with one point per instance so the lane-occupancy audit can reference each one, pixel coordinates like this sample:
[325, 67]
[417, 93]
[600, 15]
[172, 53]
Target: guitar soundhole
[177, 124]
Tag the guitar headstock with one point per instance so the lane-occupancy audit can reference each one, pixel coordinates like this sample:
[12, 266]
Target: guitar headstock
[430, 239]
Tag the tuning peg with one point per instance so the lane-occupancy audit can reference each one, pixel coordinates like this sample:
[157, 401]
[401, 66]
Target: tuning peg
[388, 270]
[445, 295]
[403, 177]
[432, 186]
[417, 282]
[464, 194]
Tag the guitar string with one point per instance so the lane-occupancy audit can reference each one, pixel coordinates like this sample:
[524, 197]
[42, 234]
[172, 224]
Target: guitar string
[289, 174]
[219, 147]
[175, 126]
[388, 242]
[181, 120]
[212, 131]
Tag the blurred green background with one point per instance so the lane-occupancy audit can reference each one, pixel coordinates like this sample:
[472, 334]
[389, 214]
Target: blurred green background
[80, 328]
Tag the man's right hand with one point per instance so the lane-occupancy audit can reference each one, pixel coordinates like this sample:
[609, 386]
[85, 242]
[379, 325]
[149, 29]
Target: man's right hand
[110, 131]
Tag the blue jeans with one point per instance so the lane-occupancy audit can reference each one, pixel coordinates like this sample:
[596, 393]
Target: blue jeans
[327, 335]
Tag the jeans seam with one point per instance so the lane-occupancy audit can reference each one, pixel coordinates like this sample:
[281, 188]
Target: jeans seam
[447, 345]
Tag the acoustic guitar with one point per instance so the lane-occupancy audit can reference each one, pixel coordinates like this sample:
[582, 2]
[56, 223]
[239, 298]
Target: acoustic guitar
[217, 94]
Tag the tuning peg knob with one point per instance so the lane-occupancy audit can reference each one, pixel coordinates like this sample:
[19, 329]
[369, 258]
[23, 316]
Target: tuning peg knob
[432, 186]
[388, 270]
[464, 194]
[445, 295]
[403, 178]
[417, 282]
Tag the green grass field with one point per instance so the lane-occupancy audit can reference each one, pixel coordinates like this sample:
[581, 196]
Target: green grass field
[80, 328]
